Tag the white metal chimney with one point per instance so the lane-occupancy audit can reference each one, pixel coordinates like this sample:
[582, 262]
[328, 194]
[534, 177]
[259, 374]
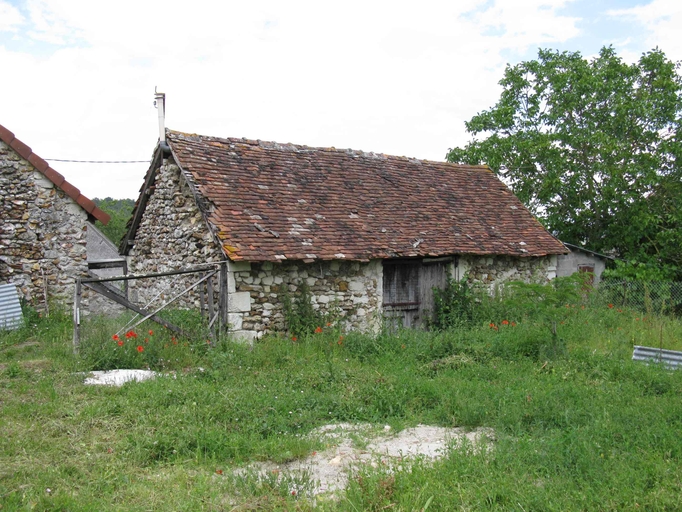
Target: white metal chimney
[160, 102]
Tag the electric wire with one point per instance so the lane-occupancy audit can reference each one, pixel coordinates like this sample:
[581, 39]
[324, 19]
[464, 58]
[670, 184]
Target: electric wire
[99, 161]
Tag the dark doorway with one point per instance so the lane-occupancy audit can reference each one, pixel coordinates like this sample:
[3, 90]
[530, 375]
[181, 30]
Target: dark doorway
[408, 290]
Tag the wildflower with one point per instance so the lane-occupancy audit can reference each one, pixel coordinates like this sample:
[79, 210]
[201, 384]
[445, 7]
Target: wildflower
[329, 324]
[294, 338]
[140, 348]
[115, 337]
[151, 333]
[610, 306]
[219, 471]
[318, 330]
[340, 342]
[513, 324]
[505, 322]
[146, 340]
[173, 338]
[131, 334]
[493, 326]
[120, 343]
[175, 342]
[293, 493]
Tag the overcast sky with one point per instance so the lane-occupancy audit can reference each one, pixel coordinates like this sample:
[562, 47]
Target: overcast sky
[78, 76]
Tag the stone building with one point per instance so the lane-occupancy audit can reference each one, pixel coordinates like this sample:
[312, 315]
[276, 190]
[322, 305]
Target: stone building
[369, 234]
[44, 224]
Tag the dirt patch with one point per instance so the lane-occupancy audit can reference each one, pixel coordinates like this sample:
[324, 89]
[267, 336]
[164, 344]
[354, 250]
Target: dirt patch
[354, 444]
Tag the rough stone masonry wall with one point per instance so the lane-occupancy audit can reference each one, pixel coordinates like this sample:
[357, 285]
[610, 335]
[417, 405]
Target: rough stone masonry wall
[348, 290]
[171, 236]
[493, 271]
[42, 230]
[44, 236]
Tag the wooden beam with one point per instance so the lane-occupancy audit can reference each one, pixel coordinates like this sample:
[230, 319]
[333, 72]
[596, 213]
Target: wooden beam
[129, 237]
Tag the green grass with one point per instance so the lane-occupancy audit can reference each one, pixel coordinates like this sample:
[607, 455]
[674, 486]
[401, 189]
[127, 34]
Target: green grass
[578, 425]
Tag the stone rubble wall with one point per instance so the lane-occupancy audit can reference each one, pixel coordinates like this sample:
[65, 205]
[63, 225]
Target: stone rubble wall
[42, 230]
[494, 271]
[171, 236]
[349, 292]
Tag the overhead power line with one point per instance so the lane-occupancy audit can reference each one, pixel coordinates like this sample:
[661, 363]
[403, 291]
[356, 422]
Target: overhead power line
[100, 161]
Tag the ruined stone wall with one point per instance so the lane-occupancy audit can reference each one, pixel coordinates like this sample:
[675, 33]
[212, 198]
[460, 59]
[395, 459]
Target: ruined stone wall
[171, 236]
[492, 271]
[349, 291]
[42, 232]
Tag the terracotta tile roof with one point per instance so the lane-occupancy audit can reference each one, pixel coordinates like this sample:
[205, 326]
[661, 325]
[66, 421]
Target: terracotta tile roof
[41, 165]
[270, 202]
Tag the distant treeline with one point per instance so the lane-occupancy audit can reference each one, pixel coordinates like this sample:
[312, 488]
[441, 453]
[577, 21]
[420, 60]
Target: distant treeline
[120, 211]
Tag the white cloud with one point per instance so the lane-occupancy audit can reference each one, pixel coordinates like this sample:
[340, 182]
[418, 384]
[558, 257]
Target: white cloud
[10, 17]
[663, 20]
[394, 77]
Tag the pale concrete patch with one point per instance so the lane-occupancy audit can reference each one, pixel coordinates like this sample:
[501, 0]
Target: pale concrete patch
[351, 445]
[118, 377]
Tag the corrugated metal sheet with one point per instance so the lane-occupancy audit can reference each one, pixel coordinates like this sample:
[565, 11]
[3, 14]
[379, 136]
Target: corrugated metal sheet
[670, 358]
[10, 309]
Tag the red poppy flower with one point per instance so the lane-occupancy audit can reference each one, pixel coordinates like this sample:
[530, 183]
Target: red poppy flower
[140, 348]
[492, 325]
[115, 337]
[610, 306]
[219, 471]
[318, 330]
[339, 343]
[329, 324]
[172, 338]
[294, 338]
[146, 340]
[175, 342]
[513, 324]
[120, 343]
[505, 322]
[151, 333]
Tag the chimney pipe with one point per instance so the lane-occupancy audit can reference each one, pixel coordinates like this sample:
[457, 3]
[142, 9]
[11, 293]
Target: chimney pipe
[160, 103]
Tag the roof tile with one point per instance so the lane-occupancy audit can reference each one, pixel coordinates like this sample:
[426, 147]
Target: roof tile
[322, 202]
[42, 166]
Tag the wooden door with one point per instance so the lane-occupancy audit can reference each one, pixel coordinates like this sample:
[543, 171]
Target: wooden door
[408, 291]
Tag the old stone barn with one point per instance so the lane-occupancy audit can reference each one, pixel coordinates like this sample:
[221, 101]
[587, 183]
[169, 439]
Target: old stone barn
[45, 224]
[370, 234]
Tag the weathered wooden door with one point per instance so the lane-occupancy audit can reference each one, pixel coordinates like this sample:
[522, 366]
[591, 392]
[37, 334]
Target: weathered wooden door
[408, 291]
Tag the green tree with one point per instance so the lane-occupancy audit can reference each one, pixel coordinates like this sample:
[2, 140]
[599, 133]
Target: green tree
[120, 211]
[593, 148]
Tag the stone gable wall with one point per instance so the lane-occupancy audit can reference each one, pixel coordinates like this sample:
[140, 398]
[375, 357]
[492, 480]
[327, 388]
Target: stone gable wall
[42, 230]
[172, 235]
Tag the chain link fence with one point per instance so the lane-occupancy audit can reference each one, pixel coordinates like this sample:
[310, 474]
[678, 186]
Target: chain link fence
[650, 297]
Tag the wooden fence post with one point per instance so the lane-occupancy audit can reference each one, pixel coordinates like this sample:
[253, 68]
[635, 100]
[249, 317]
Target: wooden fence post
[223, 296]
[77, 316]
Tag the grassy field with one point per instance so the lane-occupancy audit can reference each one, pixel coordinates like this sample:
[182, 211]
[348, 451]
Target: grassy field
[578, 425]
